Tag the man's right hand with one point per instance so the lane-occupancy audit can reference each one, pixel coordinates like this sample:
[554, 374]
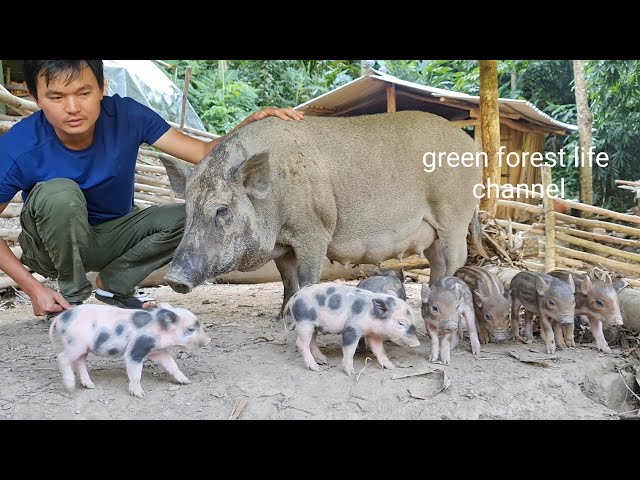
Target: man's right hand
[45, 301]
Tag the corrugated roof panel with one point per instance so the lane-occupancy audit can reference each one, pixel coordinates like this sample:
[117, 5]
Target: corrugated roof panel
[374, 83]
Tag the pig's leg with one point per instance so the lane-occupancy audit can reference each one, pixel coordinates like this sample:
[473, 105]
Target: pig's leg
[350, 338]
[545, 326]
[376, 345]
[166, 361]
[64, 364]
[305, 334]
[134, 372]
[315, 351]
[435, 341]
[288, 268]
[455, 249]
[528, 326]
[445, 348]
[310, 260]
[515, 320]
[483, 331]
[437, 261]
[470, 318]
[596, 330]
[559, 335]
[80, 365]
[568, 335]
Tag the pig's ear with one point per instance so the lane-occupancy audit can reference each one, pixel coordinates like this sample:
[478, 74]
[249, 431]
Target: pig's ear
[571, 284]
[585, 286]
[166, 317]
[477, 298]
[380, 308]
[424, 293]
[541, 286]
[507, 296]
[254, 173]
[178, 172]
[392, 293]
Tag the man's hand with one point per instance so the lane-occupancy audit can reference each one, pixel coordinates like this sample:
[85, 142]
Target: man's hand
[45, 301]
[283, 113]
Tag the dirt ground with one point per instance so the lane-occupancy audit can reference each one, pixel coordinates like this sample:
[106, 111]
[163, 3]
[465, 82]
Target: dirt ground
[252, 368]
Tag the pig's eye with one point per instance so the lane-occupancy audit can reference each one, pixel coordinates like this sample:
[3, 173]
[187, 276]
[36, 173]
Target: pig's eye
[552, 302]
[487, 316]
[190, 330]
[222, 211]
[402, 323]
[599, 303]
[435, 309]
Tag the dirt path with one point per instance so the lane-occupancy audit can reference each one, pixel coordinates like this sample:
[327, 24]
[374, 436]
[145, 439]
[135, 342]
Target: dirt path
[252, 359]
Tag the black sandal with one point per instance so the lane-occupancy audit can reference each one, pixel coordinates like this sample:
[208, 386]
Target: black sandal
[136, 300]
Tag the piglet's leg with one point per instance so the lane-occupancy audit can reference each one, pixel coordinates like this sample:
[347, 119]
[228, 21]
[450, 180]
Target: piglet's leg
[445, 348]
[80, 364]
[435, 341]
[375, 343]
[350, 338]
[305, 334]
[64, 364]
[568, 335]
[166, 361]
[315, 351]
[559, 334]
[545, 326]
[596, 330]
[528, 326]
[470, 318]
[134, 372]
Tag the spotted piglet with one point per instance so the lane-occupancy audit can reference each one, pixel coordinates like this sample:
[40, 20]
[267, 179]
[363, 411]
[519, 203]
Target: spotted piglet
[352, 312]
[135, 334]
[443, 309]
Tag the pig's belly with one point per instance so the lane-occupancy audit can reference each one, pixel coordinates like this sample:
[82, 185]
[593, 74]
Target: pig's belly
[347, 248]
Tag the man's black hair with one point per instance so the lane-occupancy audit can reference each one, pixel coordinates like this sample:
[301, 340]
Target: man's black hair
[52, 69]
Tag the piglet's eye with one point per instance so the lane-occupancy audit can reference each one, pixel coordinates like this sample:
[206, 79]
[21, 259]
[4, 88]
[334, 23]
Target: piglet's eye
[552, 302]
[435, 308]
[191, 329]
[222, 211]
[599, 303]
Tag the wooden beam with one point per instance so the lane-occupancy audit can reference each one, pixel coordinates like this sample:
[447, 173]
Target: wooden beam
[615, 265]
[391, 99]
[364, 103]
[598, 210]
[466, 123]
[583, 222]
[549, 222]
[627, 242]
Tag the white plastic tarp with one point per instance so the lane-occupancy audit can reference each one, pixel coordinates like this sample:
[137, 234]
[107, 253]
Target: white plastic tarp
[143, 81]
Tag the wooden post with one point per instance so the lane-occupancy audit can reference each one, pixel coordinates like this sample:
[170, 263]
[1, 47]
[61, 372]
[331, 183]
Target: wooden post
[490, 122]
[549, 222]
[391, 99]
[3, 109]
[585, 120]
[187, 80]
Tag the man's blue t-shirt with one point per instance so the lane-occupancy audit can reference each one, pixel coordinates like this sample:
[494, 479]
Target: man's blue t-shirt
[31, 152]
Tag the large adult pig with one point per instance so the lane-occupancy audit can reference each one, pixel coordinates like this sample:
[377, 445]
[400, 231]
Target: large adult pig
[135, 334]
[351, 189]
[597, 300]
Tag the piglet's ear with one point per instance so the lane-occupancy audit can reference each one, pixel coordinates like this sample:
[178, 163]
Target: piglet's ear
[380, 308]
[166, 318]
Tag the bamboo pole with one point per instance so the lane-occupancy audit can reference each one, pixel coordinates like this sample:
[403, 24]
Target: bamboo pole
[141, 167]
[597, 236]
[156, 199]
[6, 281]
[614, 265]
[583, 222]
[627, 182]
[549, 222]
[527, 207]
[490, 121]
[183, 113]
[148, 188]
[598, 210]
[391, 98]
[149, 180]
[536, 228]
[596, 247]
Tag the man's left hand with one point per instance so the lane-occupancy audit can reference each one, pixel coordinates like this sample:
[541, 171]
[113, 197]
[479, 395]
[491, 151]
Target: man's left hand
[283, 113]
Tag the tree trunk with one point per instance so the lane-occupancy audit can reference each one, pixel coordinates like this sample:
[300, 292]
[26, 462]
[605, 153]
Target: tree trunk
[585, 121]
[490, 127]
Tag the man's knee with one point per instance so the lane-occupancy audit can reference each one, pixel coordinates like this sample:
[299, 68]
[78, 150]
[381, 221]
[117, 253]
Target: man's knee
[58, 192]
[173, 216]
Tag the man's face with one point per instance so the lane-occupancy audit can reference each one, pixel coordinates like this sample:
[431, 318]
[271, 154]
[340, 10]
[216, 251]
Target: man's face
[72, 108]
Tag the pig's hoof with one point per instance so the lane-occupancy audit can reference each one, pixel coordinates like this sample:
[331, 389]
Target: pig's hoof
[446, 361]
[349, 371]
[137, 392]
[604, 349]
[322, 360]
[89, 384]
[184, 381]
[433, 359]
[315, 368]
[387, 364]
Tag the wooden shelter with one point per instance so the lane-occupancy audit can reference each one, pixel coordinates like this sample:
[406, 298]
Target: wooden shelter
[523, 127]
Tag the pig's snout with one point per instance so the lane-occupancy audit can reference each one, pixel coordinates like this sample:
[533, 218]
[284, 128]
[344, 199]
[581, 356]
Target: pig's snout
[450, 328]
[179, 285]
[413, 342]
[617, 321]
[567, 320]
[205, 341]
[499, 336]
